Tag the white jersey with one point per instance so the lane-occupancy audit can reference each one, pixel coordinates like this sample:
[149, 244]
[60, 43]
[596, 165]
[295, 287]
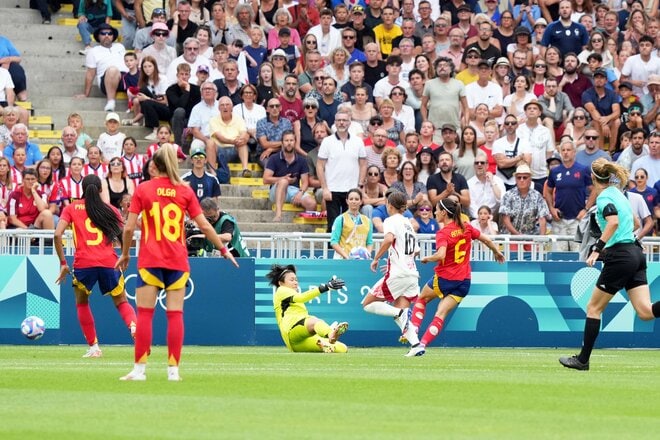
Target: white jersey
[111, 145]
[401, 255]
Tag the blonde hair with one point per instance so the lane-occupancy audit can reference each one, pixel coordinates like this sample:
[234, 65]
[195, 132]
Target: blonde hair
[166, 162]
[609, 173]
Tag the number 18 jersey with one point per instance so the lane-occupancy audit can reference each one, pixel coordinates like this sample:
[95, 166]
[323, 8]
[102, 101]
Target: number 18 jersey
[163, 206]
[401, 257]
[459, 245]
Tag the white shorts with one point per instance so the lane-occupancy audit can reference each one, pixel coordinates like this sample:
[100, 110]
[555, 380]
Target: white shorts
[393, 288]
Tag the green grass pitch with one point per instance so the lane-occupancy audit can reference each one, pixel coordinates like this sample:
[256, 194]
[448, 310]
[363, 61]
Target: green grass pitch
[268, 393]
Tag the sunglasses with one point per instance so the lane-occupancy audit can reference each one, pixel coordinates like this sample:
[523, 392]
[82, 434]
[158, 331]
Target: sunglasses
[539, 65]
[161, 34]
[308, 106]
[591, 138]
[596, 40]
[579, 117]
[199, 156]
[158, 11]
[378, 123]
[522, 177]
[348, 37]
[635, 114]
[396, 94]
[319, 78]
[424, 209]
[106, 33]
[479, 162]
[472, 56]
[115, 163]
[310, 42]
[640, 177]
[511, 123]
[374, 174]
[274, 105]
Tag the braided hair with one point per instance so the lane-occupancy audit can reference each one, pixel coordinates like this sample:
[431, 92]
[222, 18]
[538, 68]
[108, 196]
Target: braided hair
[101, 214]
[277, 272]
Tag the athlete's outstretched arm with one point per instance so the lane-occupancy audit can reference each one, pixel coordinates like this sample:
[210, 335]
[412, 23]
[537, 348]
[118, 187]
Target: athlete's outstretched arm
[59, 249]
[499, 257]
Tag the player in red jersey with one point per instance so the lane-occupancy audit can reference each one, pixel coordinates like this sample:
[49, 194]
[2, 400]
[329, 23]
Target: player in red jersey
[451, 282]
[163, 258]
[96, 225]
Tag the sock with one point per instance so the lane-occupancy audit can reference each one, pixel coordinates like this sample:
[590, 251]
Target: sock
[656, 309]
[419, 309]
[591, 329]
[382, 308]
[86, 320]
[174, 336]
[434, 330]
[322, 328]
[143, 334]
[127, 313]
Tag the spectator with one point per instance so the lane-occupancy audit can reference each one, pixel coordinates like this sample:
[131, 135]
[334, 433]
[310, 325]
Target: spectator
[447, 182]
[601, 104]
[651, 100]
[485, 188]
[110, 141]
[182, 27]
[516, 102]
[52, 191]
[163, 53]
[523, 209]
[75, 120]
[304, 16]
[557, 108]
[395, 128]
[69, 146]
[566, 195]
[484, 221]
[229, 85]
[636, 150]
[191, 57]
[572, 82]
[292, 105]
[376, 143]
[373, 190]
[327, 36]
[592, 149]
[43, 7]
[632, 119]
[455, 50]
[356, 79]
[380, 214]
[55, 156]
[288, 176]
[72, 183]
[337, 67]
[469, 68]
[182, 96]
[329, 101]
[386, 31]
[106, 63]
[467, 151]
[241, 30]
[27, 206]
[540, 144]
[576, 127]
[230, 135]
[225, 226]
[18, 157]
[95, 163]
[203, 183]
[444, 98]
[10, 118]
[313, 72]
[425, 23]
[349, 40]
[270, 130]
[200, 115]
[383, 87]
[10, 59]
[351, 230]
[117, 182]
[7, 96]
[489, 52]
[424, 218]
[91, 14]
[565, 34]
[641, 187]
[411, 146]
[133, 162]
[637, 68]
[402, 112]
[305, 141]
[407, 184]
[341, 165]
[144, 36]
[650, 162]
[426, 164]
[19, 139]
[483, 90]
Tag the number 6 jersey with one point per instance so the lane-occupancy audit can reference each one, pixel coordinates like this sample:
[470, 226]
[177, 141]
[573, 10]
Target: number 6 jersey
[163, 206]
[458, 242]
[401, 257]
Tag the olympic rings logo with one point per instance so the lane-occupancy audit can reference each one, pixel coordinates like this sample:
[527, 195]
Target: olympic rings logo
[160, 299]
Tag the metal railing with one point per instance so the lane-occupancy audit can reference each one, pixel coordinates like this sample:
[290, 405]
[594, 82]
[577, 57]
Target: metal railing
[299, 245]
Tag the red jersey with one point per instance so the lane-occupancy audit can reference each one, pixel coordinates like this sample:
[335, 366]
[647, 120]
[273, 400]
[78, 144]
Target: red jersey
[134, 166]
[4, 196]
[92, 247]
[163, 206]
[459, 245]
[72, 188]
[54, 192]
[101, 170]
[24, 208]
[16, 176]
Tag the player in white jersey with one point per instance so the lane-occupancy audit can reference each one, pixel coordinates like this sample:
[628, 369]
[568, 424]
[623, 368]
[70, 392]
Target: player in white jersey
[72, 183]
[392, 294]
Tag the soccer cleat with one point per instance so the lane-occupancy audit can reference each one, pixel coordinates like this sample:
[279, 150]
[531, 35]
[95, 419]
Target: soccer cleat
[93, 352]
[417, 350]
[336, 330]
[325, 346]
[405, 316]
[135, 376]
[574, 363]
[173, 374]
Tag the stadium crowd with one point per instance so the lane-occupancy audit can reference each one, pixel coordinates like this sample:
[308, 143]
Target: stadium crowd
[503, 104]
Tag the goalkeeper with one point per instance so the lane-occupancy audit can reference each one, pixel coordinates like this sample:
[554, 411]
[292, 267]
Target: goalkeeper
[300, 331]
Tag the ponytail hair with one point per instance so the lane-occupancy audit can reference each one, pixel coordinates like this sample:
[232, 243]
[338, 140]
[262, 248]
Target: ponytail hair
[166, 163]
[277, 272]
[609, 173]
[452, 208]
[101, 214]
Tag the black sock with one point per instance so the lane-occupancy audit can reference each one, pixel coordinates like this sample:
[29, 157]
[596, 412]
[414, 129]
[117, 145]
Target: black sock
[656, 309]
[591, 329]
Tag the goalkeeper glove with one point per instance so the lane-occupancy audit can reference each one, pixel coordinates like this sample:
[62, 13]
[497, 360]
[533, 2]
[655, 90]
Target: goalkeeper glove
[334, 284]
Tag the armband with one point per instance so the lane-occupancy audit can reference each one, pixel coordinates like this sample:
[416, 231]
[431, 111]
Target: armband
[222, 250]
[63, 263]
[598, 247]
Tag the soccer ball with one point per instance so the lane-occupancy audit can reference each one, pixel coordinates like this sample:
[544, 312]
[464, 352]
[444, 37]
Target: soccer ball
[359, 253]
[33, 327]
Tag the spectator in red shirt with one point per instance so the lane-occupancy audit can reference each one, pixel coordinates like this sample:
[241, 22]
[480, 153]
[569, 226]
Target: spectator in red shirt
[28, 208]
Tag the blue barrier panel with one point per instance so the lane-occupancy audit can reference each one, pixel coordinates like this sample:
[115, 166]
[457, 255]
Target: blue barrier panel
[532, 304]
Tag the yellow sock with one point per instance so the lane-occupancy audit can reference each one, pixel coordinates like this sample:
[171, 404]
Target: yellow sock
[321, 328]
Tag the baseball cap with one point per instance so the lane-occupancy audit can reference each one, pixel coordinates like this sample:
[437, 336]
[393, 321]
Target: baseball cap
[502, 61]
[600, 72]
[653, 79]
[285, 31]
[523, 169]
[551, 159]
[194, 151]
[428, 150]
[463, 7]
[483, 63]
[357, 9]
[159, 27]
[626, 85]
[521, 30]
[473, 49]
[203, 68]
[541, 22]
[451, 127]
[112, 116]
[278, 53]
[158, 12]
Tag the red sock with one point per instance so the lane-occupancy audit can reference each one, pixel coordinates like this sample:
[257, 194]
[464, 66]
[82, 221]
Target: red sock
[127, 313]
[143, 334]
[419, 308]
[174, 336]
[86, 320]
[434, 330]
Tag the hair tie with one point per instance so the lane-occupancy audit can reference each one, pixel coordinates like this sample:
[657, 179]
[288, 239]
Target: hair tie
[597, 175]
[445, 208]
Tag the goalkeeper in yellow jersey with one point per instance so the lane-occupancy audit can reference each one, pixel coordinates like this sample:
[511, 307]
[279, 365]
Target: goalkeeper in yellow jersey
[301, 331]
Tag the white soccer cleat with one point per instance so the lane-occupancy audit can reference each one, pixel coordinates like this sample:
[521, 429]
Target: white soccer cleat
[418, 350]
[93, 352]
[325, 346]
[134, 376]
[173, 374]
[336, 330]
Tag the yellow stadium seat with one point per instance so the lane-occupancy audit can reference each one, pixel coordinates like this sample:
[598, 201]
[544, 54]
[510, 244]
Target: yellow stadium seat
[41, 120]
[260, 193]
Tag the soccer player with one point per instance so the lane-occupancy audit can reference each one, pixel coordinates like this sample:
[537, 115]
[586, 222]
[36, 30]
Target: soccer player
[451, 282]
[400, 285]
[96, 225]
[301, 331]
[624, 264]
[163, 202]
